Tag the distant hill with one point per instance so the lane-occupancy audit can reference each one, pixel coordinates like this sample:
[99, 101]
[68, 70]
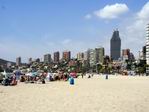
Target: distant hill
[4, 62]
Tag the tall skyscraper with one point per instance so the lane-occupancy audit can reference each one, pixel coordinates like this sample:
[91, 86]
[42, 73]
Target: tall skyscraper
[66, 55]
[56, 57]
[115, 45]
[18, 61]
[47, 58]
[147, 44]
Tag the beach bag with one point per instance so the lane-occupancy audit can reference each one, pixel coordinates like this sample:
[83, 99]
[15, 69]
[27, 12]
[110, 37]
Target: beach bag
[5, 82]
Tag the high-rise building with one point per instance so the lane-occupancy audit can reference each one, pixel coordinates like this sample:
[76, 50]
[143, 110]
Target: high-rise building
[66, 55]
[87, 55]
[80, 56]
[30, 60]
[142, 53]
[99, 55]
[131, 57]
[86, 58]
[18, 61]
[56, 57]
[147, 44]
[107, 60]
[38, 60]
[92, 58]
[9, 64]
[115, 46]
[47, 58]
[125, 54]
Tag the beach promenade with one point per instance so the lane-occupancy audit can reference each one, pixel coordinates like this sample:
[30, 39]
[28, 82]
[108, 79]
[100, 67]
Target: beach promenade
[117, 94]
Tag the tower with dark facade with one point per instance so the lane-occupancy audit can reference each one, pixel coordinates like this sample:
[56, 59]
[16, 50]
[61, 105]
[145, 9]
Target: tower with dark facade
[115, 46]
[56, 56]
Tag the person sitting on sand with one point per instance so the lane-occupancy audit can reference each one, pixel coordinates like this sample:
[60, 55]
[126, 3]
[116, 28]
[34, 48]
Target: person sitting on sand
[14, 81]
[89, 76]
[22, 78]
[42, 78]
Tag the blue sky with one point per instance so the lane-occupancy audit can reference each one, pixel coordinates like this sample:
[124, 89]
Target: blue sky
[32, 28]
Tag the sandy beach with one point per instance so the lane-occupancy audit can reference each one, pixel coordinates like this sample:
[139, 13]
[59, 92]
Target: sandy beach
[117, 94]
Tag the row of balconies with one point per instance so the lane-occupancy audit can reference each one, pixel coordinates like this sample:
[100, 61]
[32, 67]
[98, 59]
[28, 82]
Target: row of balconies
[147, 47]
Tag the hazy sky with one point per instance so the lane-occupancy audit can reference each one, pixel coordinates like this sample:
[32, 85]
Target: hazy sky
[32, 28]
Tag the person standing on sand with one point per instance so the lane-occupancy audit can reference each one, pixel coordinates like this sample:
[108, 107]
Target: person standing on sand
[82, 75]
[106, 76]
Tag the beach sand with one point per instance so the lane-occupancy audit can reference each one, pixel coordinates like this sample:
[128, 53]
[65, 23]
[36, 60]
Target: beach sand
[117, 94]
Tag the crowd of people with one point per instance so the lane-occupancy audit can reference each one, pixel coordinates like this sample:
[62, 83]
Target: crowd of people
[33, 77]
